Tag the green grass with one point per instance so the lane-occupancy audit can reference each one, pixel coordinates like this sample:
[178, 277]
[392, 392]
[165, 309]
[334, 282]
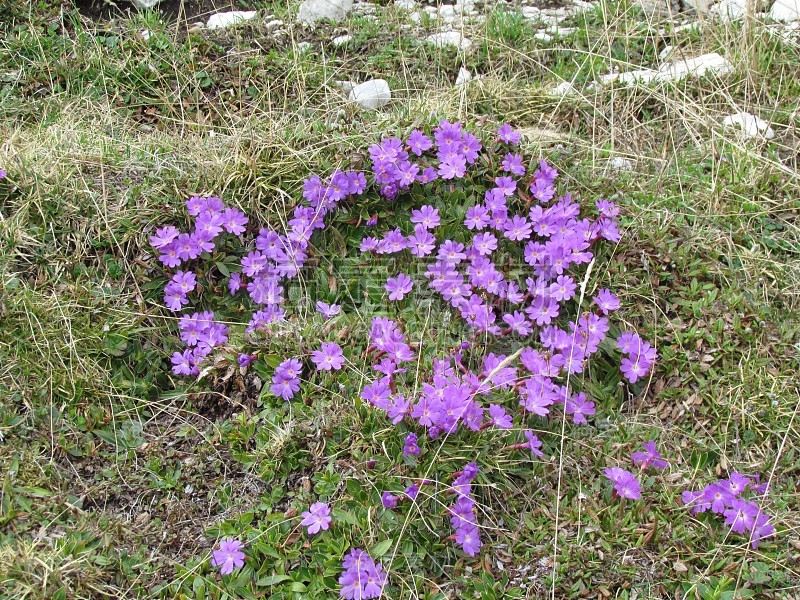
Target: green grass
[119, 478]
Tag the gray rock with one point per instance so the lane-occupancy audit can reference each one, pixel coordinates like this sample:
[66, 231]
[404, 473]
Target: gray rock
[226, 19]
[371, 94]
[405, 4]
[313, 11]
[143, 4]
[785, 10]
[729, 10]
[341, 40]
[750, 126]
[303, 46]
[449, 39]
[464, 77]
[618, 163]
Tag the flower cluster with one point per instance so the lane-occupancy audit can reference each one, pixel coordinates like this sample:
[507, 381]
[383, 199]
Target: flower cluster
[201, 334]
[639, 356]
[473, 386]
[625, 483]
[362, 578]
[274, 258]
[726, 497]
[394, 172]
[286, 379]
[462, 513]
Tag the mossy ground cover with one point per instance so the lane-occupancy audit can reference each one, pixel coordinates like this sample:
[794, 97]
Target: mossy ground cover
[119, 477]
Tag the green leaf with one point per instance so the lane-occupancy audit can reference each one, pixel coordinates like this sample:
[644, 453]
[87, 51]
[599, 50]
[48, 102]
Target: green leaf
[381, 548]
[273, 579]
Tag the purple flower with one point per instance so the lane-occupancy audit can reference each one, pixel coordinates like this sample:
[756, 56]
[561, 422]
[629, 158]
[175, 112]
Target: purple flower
[625, 483]
[500, 418]
[244, 360]
[517, 228]
[606, 301]
[742, 515]
[427, 216]
[362, 578]
[3, 173]
[164, 237]
[534, 443]
[737, 483]
[484, 244]
[229, 556]
[451, 252]
[696, 500]
[477, 217]
[399, 286]
[506, 185]
[469, 540]
[454, 167]
[316, 518]
[209, 223]
[410, 445]
[234, 283]
[286, 379]
[234, 220]
[418, 142]
[579, 407]
[329, 358]
[389, 500]
[651, 457]
[507, 134]
[412, 491]
[718, 496]
[513, 164]
[761, 528]
[328, 310]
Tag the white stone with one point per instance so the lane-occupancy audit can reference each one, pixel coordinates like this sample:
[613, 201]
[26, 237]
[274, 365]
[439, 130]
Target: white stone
[565, 88]
[303, 46]
[785, 10]
[226, 19]
[618, 163]
[531, 12]
[466, 6]
[452, 39]
[415, 17]
[729, 10]
[749, 125]
[371, 94]
[464, 76]
[712, 63]
[561, 31]
[405, 4]
[543, 37]
[312, 11]
[344, 85]
[341, 40]
[273, 23]
[144, 4]
[146, 34]
[448, 13]
[666, 53]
